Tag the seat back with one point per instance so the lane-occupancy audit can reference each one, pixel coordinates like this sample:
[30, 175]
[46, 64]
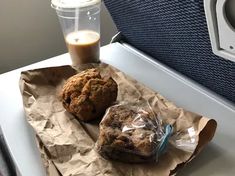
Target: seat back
[175, 33]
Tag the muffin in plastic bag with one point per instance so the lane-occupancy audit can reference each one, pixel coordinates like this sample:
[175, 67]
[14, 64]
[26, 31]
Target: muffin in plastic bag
[132, 133]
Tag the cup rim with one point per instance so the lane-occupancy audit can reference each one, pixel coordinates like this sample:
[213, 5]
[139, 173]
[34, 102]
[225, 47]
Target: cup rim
[61, 6]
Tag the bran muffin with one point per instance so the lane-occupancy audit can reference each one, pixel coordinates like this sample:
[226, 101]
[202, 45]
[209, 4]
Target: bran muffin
[87, 95]
[128, 135]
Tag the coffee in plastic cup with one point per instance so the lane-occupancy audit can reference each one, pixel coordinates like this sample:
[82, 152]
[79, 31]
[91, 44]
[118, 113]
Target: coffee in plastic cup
[80, 23]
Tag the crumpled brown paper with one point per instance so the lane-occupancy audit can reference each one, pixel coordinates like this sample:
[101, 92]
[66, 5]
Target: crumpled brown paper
[67, 145]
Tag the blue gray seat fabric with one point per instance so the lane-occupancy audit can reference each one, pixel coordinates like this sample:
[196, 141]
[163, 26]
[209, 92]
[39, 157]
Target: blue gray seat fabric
[175, 33]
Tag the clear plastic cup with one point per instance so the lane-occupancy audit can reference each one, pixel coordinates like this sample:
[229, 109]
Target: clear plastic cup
[80, 23]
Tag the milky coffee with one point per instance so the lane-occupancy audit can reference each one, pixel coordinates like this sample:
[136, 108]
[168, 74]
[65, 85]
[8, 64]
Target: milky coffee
[83, 46]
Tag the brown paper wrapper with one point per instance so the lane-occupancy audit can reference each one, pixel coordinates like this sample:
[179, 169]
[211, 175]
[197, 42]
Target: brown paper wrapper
[67, 145]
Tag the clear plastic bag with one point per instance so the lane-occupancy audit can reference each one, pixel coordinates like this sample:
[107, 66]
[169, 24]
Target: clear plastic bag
[132, 133]
[185, 140]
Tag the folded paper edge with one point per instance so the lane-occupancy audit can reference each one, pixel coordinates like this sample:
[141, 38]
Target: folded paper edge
[205, 136]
